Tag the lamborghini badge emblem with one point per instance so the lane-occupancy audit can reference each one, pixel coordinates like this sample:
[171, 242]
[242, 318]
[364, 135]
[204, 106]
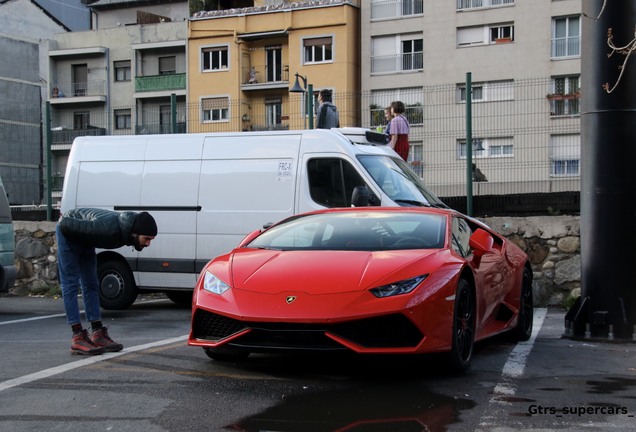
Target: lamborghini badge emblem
[290, 299]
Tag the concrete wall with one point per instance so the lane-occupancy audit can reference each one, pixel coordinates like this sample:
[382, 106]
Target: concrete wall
[551, 242]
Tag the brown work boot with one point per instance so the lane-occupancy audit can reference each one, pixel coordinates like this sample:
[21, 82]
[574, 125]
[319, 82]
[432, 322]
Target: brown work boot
[101, 339]
[83, 345]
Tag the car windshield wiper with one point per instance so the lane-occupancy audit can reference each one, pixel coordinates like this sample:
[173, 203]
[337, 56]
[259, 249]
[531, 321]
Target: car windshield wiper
[412, 202]
[441, 205]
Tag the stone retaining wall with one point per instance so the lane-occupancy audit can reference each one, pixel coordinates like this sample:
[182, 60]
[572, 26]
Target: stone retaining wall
[551, 242]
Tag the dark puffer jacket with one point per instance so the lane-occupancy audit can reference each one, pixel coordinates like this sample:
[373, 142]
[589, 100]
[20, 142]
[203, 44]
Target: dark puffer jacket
[327, 116]
[98, 228]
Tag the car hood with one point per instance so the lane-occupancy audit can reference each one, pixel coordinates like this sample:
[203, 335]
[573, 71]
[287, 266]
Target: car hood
[326, 272]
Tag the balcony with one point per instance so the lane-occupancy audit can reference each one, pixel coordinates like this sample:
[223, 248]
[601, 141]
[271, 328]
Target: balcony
[160, 83]
[264, 77]
[69, 92]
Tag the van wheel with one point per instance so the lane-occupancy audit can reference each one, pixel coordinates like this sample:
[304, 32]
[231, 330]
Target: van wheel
[117, 289]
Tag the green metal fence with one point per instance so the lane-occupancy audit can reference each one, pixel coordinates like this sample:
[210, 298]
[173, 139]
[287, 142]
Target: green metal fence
[525, 134]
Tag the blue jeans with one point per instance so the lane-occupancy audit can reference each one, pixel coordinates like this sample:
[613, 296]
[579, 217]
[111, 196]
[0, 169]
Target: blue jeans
[77, 265]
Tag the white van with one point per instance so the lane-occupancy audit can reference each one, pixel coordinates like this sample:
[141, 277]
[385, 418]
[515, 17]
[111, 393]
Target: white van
[207, 191]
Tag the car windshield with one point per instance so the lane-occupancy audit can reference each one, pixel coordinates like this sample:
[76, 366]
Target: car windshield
[351, 230]
[399, 182]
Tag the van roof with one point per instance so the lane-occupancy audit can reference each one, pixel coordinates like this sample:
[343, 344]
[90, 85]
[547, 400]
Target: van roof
[364, 136]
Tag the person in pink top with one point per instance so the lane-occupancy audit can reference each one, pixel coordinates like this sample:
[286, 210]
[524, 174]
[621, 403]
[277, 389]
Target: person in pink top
[399, 130]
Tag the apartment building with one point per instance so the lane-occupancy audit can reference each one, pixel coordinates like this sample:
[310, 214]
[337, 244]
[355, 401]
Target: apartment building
[25, 28]
[126, 76]
[242, 63]
[523, 60]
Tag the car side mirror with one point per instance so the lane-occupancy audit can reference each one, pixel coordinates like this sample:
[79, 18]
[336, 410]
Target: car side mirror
[363, 197]
[481, 242]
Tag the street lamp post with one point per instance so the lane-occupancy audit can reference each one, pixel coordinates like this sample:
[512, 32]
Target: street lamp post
[309, 102]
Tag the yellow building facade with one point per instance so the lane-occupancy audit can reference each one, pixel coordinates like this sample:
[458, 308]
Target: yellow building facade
[243, 62]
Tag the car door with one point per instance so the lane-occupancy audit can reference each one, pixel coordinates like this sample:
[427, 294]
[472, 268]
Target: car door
[487, 269]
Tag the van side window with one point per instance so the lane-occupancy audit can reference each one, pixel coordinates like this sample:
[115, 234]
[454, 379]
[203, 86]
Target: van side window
[331, 181]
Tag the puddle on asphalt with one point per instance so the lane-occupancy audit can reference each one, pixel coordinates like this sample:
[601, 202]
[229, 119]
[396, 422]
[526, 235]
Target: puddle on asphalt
[610, 385]
[367, 408]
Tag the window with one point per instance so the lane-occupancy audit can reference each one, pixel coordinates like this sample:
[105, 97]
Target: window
[564, 96]
[504, 33]
[122, 119]
[167, 65]
[565, 155]
[397, 53]
[412, 97]
[274, 66]
[487, 147]
[394, 8]
[318, 50]
[566, 37]
[487, 91]
[471, 4]
[481, 35]
[416, 157]
[165, 119]
[122, 70]
[214, 58]
[331, 181]
[273, 112]
[215, 109]
[80, 79]
[412, 54]
[81, 120]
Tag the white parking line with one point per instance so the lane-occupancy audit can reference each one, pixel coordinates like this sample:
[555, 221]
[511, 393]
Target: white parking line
[33, 319]
[59, 315]
[512, 369]
[84, 362]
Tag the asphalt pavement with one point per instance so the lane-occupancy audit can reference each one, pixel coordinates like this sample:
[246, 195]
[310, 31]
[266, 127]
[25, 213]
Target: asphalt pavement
[158, 383]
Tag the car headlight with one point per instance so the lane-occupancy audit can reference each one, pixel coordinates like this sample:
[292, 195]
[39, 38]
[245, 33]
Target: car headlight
[213, 284]
[397, 288]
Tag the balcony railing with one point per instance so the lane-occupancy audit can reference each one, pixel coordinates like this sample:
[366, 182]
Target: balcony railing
[154, 129]
[470, 4]
[564, 104]
[265, 74]
[67, 136]
[66, 89]
[397, 63]
[160, 83]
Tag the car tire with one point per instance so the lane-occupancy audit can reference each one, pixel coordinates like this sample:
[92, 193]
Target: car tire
[463, 328]
[226, 353]
[180, 297]
[523, 330]
[117, 289]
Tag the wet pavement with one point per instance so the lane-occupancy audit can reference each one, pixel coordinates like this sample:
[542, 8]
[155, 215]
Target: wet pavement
[158, 383]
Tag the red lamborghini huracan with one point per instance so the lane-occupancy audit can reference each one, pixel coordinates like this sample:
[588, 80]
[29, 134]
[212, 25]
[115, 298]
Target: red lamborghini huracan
[370, 280]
